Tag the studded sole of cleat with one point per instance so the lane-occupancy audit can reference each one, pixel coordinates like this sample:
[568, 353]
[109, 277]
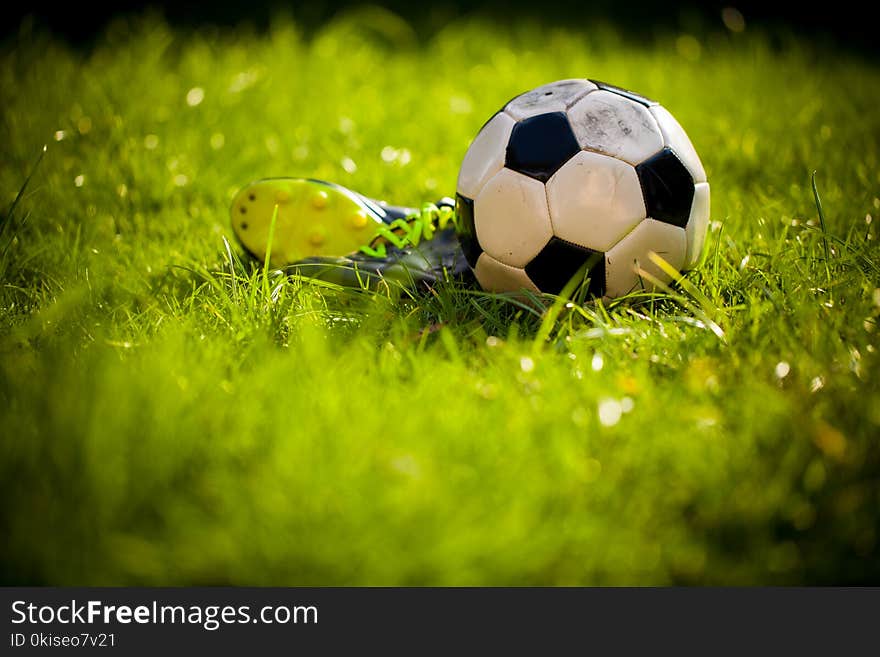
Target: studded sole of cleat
[314, 218]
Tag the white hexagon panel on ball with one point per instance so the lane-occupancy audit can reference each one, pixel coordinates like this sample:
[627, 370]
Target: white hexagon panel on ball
[554, 97]
[595, 200]
[632, 253]
[697, 225]
[611, 124]
[486, 154]
[494, 276]
[511, 218]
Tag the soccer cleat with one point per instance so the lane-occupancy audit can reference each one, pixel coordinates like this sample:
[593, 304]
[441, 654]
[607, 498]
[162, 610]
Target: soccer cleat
[314, 218]
[415, 251]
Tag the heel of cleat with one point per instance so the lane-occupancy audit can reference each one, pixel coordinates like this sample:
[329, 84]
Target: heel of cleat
[314, 219]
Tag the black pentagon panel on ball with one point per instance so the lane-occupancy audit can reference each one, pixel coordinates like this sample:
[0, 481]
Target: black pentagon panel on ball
[467, 230]
[626, 93]
[668, 188]
[540, 144]
[559, 261]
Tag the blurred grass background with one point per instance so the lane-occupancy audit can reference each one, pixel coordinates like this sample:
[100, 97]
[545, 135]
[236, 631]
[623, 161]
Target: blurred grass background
[164, 422]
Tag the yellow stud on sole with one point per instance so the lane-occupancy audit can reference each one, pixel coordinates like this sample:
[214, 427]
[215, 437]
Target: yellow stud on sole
[359, 219]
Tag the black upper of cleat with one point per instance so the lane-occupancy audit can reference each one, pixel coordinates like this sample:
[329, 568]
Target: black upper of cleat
[410, 267]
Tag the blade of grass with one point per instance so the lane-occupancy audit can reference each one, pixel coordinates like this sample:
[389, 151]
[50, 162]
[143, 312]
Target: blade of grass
[8, 219]
[708, 307]
[266, 291]
[231, 262]
[565, 295]
[823, 225]
[671, 271]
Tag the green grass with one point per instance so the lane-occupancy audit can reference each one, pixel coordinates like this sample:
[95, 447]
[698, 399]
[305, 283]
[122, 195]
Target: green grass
[164, 421]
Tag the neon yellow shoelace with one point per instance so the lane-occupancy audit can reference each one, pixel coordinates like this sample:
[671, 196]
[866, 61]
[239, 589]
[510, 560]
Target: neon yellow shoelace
[411, 230]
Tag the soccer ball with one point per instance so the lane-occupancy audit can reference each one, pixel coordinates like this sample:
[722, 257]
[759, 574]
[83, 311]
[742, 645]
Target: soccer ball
[580, 172]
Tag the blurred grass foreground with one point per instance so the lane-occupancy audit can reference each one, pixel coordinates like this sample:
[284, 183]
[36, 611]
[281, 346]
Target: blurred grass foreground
[170, 417]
